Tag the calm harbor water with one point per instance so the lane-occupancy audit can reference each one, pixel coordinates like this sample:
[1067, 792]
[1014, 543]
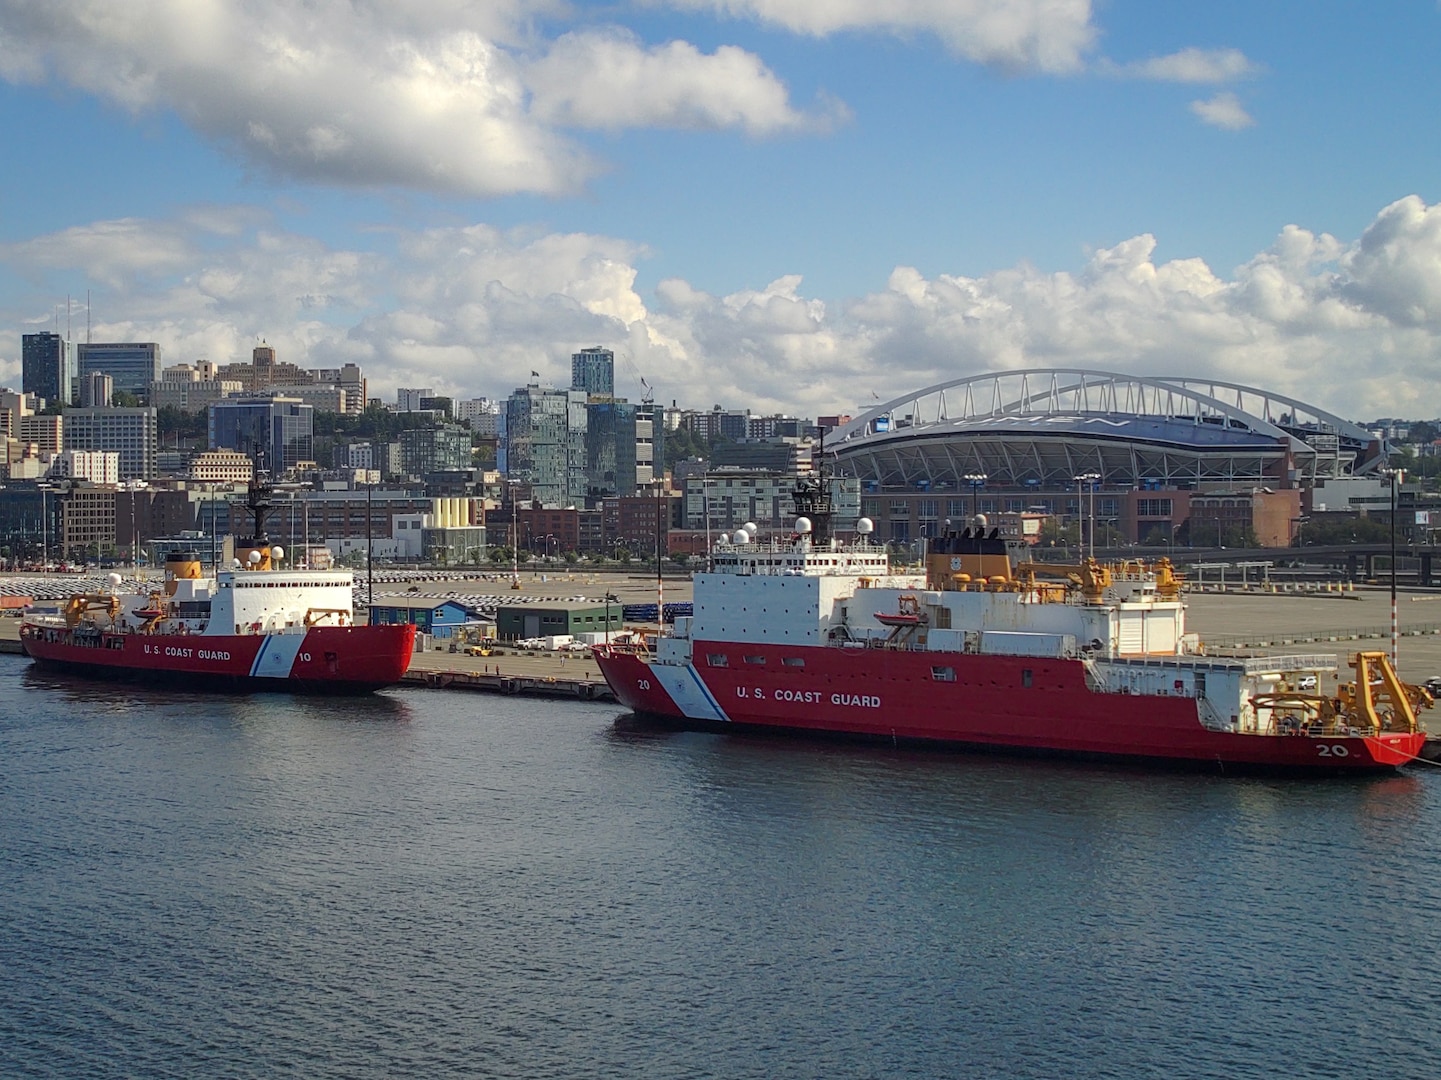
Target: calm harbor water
[434, 884]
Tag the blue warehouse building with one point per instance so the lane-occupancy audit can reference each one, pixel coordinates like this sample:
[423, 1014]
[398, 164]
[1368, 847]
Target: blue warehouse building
[431, 615]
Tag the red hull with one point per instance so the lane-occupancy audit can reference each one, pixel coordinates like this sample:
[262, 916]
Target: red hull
[325, 659]
[995, 702]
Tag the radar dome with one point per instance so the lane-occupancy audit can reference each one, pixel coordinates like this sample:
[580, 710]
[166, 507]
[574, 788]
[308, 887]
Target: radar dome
[114, 580]
[741, 537]
[254, 558]
[803, 525]
[979, 521]
[235, 563]
[865, 526]
[751, 527]
[277, 552]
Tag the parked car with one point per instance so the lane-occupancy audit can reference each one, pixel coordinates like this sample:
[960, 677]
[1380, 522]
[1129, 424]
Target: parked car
[1433, 685]
[1306, 682]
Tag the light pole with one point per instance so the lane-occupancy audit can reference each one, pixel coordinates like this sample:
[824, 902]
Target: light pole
[977, 481]
[44, 529]
[1090, 479]
[369, 555]
[609, 598]
[705, 508]
[514, 537]
[659, 581]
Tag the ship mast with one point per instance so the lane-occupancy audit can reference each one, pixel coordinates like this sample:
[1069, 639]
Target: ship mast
[812, 498]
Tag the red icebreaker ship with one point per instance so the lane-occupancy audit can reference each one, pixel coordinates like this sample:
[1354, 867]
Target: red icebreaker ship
[984, 651]
[254, 627]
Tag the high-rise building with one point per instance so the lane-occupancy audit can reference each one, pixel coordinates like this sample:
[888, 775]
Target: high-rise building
[622, 448]
[96, 390]
[479, 413]
[47, 366]
[545, 443]
[280, 431]
[349, 378]
[130, 432]
[132, 365]
[593, 371]
[609, 449]
[428, 450]
[408, 399]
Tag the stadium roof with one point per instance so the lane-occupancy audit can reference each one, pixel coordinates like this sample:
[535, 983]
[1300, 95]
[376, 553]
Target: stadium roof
[1046, 426]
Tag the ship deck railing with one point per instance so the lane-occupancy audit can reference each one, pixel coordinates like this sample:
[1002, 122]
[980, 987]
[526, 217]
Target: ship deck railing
[1247, 665]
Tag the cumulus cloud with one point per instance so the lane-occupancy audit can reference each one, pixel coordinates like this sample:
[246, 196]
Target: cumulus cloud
[431, 95]
[1223, 111]
[1029, 35]
[626, 84]
[1354, 326]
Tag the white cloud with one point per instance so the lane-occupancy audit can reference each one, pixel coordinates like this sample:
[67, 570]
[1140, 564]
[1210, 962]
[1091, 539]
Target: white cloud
[625, 84]
[1223, 111]
[431, 95]
[1352, 326]
[1188, 66]
[1395, 268]
[1039, 35]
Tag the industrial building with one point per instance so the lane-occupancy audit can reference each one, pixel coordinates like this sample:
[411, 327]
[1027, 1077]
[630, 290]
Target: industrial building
[431, 615]
[556, 618]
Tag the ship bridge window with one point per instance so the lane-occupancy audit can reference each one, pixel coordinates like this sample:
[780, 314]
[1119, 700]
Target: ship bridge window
[717, 659]
[755, 660]
[793, 661]
[943, 674]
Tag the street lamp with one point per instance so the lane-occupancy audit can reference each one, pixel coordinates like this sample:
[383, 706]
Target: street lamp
[369, 553]
[977, 481]
[514, 537]
[610, 598]
[1090, 479]
[44, 529]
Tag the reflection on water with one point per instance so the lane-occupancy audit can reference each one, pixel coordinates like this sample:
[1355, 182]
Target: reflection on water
[432, 883]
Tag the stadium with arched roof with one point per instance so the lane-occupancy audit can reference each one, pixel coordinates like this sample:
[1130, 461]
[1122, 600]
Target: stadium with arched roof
[1025, 436]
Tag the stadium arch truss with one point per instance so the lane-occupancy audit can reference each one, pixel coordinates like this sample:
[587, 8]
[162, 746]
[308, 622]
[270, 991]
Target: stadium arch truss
[1044, 427]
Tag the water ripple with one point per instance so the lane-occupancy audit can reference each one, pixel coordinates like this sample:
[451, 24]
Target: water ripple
[451, 885]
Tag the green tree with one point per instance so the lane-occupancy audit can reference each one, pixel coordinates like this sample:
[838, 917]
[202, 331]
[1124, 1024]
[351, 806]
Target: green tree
[173, 421]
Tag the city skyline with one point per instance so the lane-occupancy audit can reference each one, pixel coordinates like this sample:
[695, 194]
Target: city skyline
[778, 204]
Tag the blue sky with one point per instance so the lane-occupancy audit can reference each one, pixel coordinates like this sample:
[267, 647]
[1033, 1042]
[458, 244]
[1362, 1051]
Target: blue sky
[781, 204]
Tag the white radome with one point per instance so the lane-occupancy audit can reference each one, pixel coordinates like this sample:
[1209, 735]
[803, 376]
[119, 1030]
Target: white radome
[254, 558]
[865, 526]
[114, 580]
[803, 525]
[277, 552]
[741, 537]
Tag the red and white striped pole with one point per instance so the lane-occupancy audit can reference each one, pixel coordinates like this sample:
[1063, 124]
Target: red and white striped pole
[1395, 635]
